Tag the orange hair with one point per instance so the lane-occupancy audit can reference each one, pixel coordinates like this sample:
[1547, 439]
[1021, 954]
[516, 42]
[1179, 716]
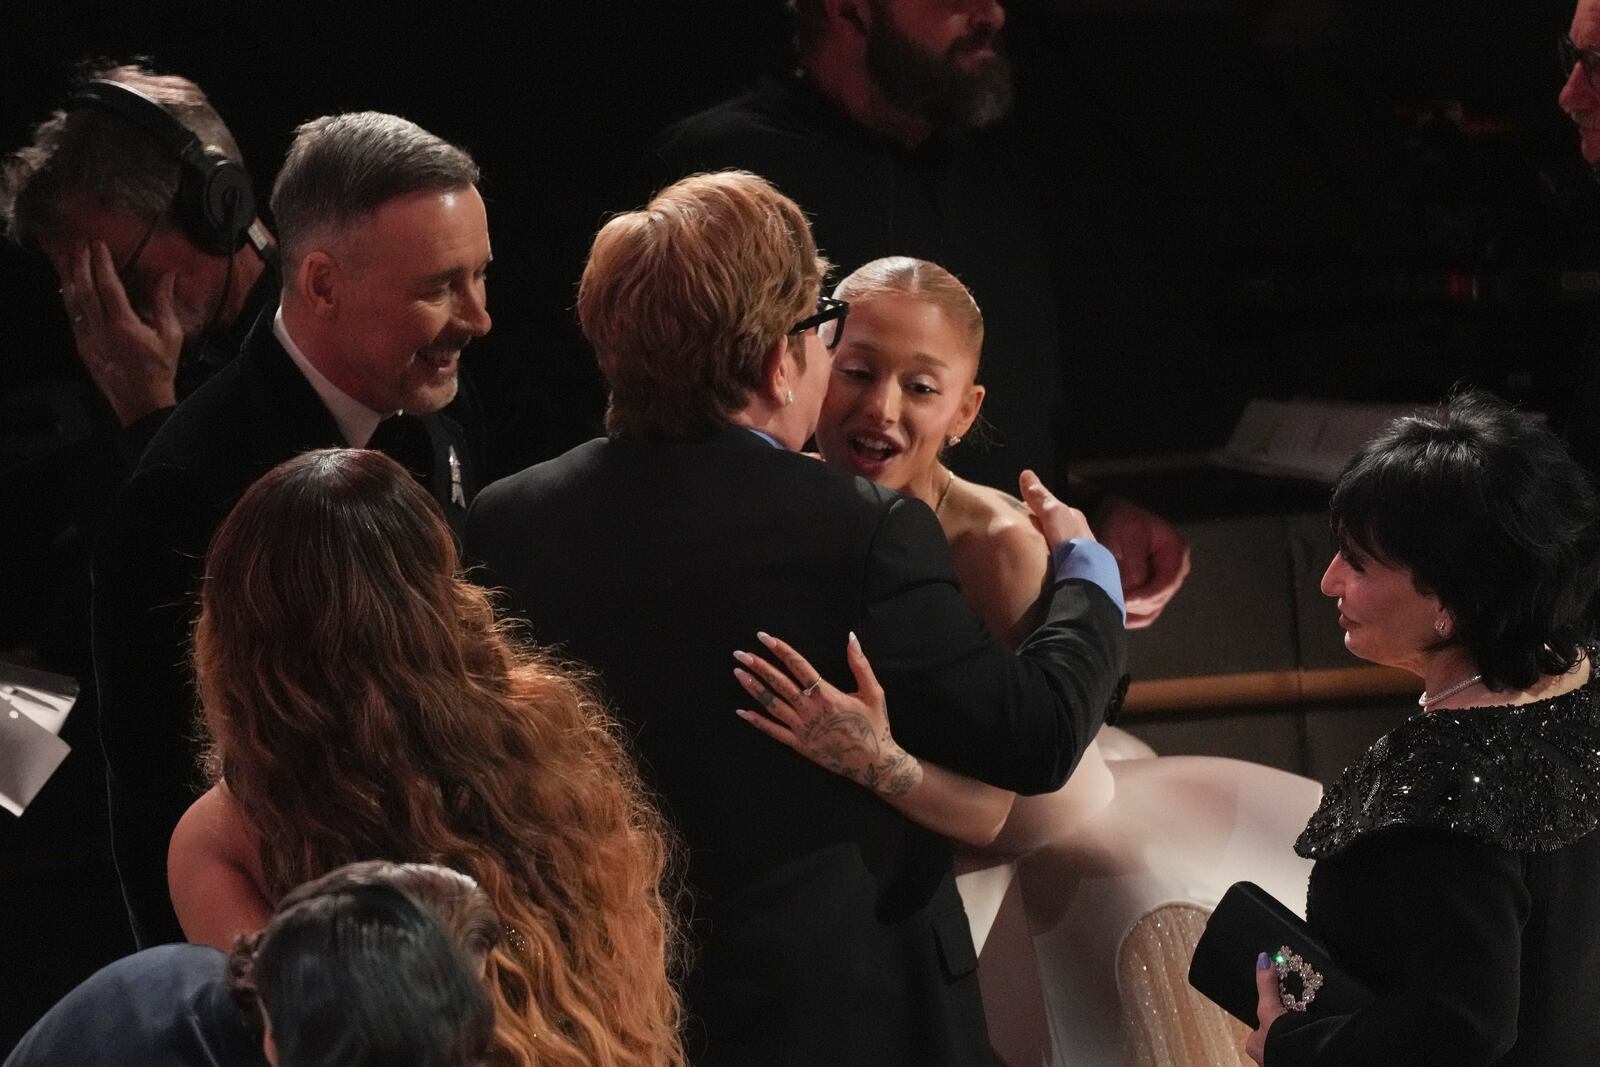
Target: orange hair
[362, 702]
[684, 299]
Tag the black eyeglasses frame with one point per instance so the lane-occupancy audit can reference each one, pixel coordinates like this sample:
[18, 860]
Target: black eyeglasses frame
[828, 310]
[1570, 55]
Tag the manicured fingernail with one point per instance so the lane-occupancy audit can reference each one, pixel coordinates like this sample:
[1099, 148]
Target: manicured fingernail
[1263, 962]
[742, 657]
[766, 639]
[741, 675]
[854, 640]
[741, 713]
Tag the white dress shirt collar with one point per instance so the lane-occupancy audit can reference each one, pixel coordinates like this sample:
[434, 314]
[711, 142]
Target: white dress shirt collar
[356, 420]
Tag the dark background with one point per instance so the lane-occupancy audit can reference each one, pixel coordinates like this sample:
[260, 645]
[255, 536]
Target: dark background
[1346, 199]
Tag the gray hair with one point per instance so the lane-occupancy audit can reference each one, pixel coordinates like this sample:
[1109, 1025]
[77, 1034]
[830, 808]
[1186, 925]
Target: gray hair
[104, 157]
[342, 168]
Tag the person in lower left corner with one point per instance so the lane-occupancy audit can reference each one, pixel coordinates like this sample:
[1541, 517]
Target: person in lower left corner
[372, 963]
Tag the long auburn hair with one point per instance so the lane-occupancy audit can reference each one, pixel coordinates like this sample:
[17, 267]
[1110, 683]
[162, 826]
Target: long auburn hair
[362, 702]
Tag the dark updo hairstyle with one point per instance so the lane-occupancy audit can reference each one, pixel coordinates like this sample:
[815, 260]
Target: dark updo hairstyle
[366, 977]
[1488, 512]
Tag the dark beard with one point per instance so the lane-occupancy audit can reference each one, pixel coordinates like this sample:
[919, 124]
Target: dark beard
[933, 87]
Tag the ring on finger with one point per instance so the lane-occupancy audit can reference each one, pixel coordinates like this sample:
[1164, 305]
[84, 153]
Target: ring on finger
[811, 690]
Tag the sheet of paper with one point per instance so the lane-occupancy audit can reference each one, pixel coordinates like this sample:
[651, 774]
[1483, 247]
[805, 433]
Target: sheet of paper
[1304, 438]
[33, 706]
[29, 755]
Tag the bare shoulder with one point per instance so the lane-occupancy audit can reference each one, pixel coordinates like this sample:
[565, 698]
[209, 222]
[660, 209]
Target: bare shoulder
[213, 871]
[997, 526]
[1000, 556]
[213, 823]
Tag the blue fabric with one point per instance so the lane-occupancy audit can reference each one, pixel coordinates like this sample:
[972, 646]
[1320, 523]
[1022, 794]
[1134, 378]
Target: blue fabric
[1093, 562]
[167, 1005]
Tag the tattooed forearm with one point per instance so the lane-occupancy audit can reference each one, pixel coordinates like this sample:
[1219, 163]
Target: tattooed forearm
[847, 743]
[901, 773]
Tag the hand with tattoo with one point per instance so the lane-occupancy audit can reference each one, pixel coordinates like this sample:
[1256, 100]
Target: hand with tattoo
[848, 733]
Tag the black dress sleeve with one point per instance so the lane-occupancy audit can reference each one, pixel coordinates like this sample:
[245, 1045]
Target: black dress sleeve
[1442, 916]
[958, 695]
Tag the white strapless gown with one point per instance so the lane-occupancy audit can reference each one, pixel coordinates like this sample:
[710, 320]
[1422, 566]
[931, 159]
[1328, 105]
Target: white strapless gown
[1085, 952]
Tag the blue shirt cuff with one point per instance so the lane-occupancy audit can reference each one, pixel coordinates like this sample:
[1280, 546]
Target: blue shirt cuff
[1093, 562]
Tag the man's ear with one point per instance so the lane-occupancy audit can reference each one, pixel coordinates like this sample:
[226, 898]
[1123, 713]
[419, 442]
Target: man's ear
[317, 282]
[269, 1047]
[777, 375]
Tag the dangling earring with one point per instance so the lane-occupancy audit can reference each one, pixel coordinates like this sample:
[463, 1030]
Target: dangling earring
[788, 397]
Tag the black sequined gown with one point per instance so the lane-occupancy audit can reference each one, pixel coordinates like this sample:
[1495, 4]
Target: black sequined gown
[1458, 876]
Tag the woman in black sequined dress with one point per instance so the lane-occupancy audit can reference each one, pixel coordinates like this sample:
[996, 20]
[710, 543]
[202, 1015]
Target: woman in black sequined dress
[1457, 864]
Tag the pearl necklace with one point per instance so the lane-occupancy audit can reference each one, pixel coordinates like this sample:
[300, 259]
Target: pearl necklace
[1428, 700]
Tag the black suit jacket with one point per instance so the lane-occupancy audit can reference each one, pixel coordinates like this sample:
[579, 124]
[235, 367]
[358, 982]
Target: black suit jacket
[827, 927]
[251, 416]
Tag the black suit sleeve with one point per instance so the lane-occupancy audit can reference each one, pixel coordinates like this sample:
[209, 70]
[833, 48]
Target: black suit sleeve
[957, 695]
[146, 569]
[135, 437]
[1453, 983]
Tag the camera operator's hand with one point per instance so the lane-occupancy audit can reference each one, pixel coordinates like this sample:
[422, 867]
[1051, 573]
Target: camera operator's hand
[132, 358]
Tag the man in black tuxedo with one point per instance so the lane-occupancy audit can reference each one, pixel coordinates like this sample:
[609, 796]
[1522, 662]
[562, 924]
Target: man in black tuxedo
[385, 244]
[826, 926]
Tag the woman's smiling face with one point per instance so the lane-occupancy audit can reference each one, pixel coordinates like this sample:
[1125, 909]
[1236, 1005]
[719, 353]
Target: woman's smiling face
[1385, 619]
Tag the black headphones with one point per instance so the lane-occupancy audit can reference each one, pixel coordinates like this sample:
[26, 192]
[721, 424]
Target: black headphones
[215, 203]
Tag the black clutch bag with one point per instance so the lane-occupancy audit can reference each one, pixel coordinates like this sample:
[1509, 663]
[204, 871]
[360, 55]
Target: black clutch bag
[1249, 921]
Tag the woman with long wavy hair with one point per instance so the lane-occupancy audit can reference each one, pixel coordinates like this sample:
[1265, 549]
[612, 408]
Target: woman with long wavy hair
[362, 702]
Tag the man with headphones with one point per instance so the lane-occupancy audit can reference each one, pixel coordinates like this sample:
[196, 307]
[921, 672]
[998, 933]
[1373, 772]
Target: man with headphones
[890, 137]
[137, 194]
[356, 344]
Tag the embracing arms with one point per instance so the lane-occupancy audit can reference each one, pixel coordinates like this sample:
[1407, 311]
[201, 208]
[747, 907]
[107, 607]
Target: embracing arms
[848, 733]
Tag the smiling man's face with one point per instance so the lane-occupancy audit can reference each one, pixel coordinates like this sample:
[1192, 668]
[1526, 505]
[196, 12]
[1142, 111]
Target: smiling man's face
[411, 296]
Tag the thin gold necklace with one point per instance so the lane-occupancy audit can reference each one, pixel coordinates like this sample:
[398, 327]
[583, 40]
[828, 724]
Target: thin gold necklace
[950, 477]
